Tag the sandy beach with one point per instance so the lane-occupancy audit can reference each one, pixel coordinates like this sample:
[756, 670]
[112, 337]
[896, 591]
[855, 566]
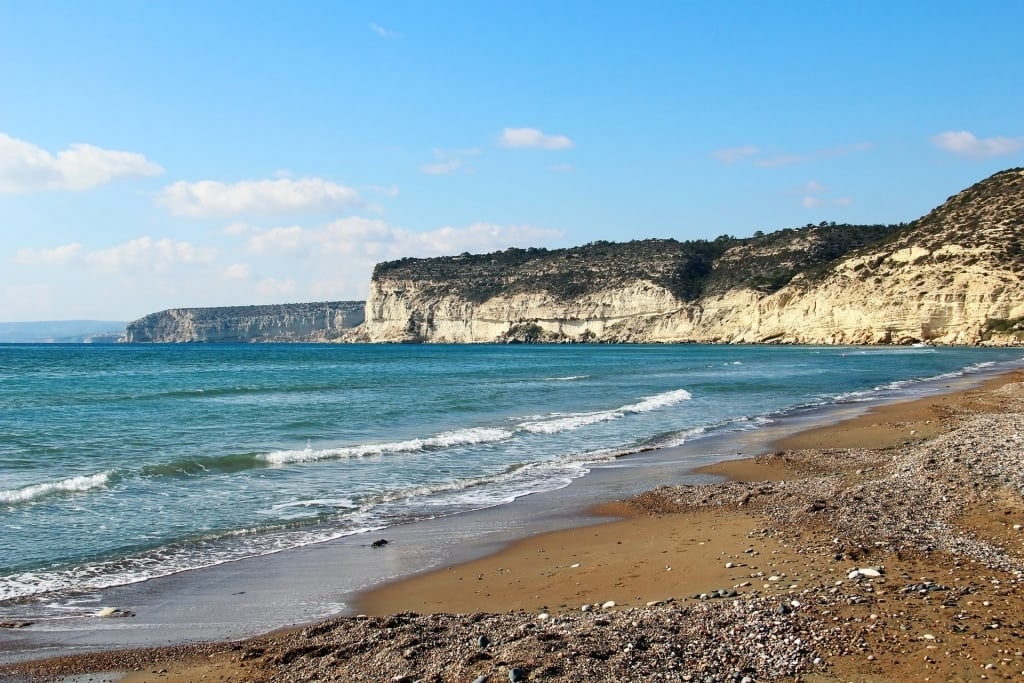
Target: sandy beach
[889, 547]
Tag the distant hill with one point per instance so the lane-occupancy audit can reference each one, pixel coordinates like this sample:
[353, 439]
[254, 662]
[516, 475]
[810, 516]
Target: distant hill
[303, 322]
[62, 332]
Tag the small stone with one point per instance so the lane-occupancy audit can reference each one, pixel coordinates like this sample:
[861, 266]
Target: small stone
[729, 565]
[543, 616]
[654, 603]
[483, 641]
[869, 572]
[608, 605]
[574, 566]
[515, 675]
[480, 679]
[586, 608]
[1018, 527]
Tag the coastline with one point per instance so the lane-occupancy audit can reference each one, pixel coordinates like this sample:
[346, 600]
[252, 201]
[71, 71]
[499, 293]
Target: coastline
[626, 561]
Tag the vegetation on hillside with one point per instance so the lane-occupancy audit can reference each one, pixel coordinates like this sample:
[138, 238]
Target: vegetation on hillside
[687, 269]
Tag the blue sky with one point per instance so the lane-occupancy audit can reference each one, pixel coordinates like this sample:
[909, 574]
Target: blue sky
[165, 154]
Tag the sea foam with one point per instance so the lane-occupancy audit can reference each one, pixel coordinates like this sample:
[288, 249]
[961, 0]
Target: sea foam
[69, 485]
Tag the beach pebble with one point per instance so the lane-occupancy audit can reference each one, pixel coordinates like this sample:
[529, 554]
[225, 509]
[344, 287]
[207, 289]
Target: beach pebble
[543, 616]
[379, 543]
[608, 605]
[574, 566]
[869, 572]
[483, 641]
[114, 612]
[15, 624]
[654, 603]
[586, 608]
[482, 678]
[516, 674]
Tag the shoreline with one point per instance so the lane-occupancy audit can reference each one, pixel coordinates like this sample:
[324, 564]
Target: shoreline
[627, 535]
[537, 574]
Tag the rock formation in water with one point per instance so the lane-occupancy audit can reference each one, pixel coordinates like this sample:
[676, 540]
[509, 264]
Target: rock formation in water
[950, 277]
[311, 322]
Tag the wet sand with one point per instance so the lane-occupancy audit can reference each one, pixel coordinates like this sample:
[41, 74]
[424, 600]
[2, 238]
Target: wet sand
[791, 526]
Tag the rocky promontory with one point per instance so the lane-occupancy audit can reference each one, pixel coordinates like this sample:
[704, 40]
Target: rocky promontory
[307, 322]
[950, 277]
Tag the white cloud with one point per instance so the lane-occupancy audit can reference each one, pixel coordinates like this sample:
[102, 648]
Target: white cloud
[811, 202]
[384, 32]
[146, 253]
[277, 240]
[236, 271]
[25, 167]
[272, 288]
[731, 155]
[967, 144]
[213, 198]
[57, 256]
[531, 137]
[814, 187]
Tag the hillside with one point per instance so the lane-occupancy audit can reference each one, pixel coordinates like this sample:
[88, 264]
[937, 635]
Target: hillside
[952, 276]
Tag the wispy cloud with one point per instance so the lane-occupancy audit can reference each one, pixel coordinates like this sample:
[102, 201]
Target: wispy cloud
[147, 253]
[449, 160]
[142, 253]
[258, 197]
[967, 144]
[760, 157]
[24, 167]
[384, 32]
[815, 195]
[731, 155]
[816, 155]
[57, 256]
[377, 240]
[531, 137]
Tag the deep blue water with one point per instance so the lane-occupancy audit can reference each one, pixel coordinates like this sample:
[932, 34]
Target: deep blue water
[124, 462]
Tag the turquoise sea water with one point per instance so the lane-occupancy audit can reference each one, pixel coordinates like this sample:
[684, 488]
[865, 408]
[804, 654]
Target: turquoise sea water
[122, 463]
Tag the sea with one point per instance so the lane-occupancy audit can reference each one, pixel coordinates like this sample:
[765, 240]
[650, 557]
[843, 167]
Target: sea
[123, 463]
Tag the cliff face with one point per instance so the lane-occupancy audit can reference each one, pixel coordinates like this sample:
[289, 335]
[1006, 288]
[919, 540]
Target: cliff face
[951, 277]
[312, 322]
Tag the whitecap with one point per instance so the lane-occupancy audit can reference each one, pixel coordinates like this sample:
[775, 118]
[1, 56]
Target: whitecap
[69, 485]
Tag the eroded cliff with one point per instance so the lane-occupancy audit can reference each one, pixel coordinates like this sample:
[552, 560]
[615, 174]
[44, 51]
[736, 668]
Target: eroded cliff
[309, 322]
[951, 277]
